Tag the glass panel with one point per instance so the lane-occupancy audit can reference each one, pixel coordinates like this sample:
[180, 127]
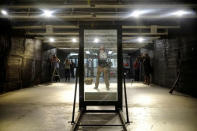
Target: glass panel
[100, 65]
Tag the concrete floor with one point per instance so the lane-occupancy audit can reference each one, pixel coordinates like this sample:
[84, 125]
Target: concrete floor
[48, 107]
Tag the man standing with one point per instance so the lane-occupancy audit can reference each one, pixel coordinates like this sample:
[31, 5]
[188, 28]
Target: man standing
[72, 67]
[55, 68]
[147, 69]
[102, 67]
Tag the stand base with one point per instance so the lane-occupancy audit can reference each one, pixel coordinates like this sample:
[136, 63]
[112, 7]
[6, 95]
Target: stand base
[78, 123]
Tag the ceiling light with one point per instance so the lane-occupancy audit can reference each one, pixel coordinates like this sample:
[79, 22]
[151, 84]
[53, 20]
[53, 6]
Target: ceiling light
[140, 39]
[87, 52]
[180, 13]
[74, 40]
[51, 39]
[96, 40]
[72, 54]
[47, 13]
[4, 12]
[110, 52]
[136, 13]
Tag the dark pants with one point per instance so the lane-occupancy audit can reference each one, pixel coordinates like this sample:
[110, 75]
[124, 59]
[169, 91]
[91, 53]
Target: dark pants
[72, 73]
[147, 76]
[137, 71]
[67, 74]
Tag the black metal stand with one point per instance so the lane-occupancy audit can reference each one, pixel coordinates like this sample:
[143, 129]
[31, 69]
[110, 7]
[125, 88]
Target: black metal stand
[75, 95]
[83, 104]
[179, 63]
[175, 84]
[126, 104]
[76, 124]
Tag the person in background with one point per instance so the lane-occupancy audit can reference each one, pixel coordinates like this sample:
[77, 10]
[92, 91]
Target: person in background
[67, 69]
[147, 68]
[136, 66]
[72, 67]
[55, 67]
[55, 61]
[102, 67]
[89, 67]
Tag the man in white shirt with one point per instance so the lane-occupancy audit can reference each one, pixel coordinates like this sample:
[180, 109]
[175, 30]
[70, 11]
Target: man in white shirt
[102, 67]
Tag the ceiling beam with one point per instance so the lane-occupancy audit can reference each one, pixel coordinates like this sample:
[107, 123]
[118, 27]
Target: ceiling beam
[44, 27]
[58, 38]
[149, 27]
[77, 33]
[77, 27]
[102, 6]
[53, 34]
[68, 38]
[77, 49]
[147, 37]
[144, 34]
[89, 16]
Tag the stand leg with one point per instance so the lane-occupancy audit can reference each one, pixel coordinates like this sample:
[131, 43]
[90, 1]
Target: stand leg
[125, 94]
[174, 84]
[52, 77]
[75, 95]
[122, 120]
[75, 124]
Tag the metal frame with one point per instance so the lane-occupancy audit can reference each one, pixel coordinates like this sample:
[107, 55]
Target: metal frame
[77, 124]
[82, 103]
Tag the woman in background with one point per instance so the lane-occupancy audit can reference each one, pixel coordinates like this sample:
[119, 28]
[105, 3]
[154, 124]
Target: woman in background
[67, 69]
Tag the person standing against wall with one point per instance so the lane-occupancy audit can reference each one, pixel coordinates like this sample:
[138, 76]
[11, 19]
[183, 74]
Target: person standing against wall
[147, 69]
[72, 67]
[55, 68]
[136, 66]
[67, 69]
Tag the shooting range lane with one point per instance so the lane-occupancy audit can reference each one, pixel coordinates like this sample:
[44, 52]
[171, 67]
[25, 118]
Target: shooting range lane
[48, 107]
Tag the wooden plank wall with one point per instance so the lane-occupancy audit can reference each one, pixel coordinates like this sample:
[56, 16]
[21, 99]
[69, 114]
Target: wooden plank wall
[165, 62]
[188, 65]
[5, 45]
[178, 53]
[24, 63]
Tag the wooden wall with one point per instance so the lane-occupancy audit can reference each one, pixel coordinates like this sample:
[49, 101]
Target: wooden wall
[177, 53]
[5, 45]
[23, 60]
[24, 63]
[165, 62]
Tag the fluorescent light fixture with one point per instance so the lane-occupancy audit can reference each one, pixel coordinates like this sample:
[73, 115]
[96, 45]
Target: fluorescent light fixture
[47, 13]
[4, 12]
[51, 39]
[180, 13]
[110, 52]
[87, 52]
[136, 13]
[140, 39]
[74, 40]
[96, 40]
[73, 54]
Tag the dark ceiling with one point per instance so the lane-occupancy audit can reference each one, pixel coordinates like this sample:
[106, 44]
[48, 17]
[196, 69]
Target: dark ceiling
[26, 16]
